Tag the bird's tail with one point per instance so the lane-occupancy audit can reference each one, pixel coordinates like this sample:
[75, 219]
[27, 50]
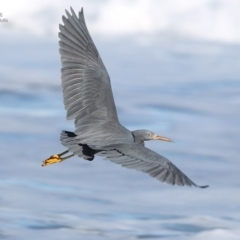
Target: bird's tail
[69, 140]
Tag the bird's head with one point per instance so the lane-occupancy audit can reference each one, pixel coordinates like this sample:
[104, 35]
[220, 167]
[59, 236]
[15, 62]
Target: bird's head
[145, 135]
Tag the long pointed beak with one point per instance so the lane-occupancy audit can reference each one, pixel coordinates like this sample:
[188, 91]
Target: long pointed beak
[156, 137]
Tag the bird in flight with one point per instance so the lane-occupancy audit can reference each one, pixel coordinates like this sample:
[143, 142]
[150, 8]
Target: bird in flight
[88, 99]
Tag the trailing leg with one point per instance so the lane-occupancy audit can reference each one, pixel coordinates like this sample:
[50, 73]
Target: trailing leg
[56, 158]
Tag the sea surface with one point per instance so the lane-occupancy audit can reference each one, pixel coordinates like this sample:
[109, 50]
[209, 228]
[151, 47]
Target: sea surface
[188, 91]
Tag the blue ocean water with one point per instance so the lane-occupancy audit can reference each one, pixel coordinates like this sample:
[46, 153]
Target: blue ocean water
[191, 98]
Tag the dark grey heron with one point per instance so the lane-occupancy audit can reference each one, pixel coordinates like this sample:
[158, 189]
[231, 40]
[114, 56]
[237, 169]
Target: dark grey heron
[88, 100]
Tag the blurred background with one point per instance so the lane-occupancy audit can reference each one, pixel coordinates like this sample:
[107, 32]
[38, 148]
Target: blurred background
[175, 69]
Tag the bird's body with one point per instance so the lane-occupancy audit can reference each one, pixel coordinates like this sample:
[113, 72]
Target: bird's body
[88, 100]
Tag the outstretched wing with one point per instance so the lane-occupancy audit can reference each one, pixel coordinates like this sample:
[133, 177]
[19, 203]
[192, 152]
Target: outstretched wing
[86, 84]
[140, 158]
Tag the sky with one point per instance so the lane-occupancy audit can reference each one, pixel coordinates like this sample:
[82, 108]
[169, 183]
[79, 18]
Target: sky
[183, 56]
[204, 20]
[191, 40]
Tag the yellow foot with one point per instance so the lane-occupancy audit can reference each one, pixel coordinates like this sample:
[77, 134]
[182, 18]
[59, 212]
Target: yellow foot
[53, 159]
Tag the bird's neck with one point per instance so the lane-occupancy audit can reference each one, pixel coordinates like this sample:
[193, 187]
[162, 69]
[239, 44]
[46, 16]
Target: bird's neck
[138, 140]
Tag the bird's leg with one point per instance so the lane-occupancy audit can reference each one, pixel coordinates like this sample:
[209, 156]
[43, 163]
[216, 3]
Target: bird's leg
[56, 158]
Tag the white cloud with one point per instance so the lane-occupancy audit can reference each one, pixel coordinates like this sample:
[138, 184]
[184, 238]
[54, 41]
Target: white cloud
[208, 20]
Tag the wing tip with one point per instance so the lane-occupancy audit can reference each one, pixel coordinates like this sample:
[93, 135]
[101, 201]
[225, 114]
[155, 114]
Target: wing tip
[190, 185]
[64, 19]
[205, 186]
[67, 13]
[60, 28]
[72, 11]
[81, 16]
